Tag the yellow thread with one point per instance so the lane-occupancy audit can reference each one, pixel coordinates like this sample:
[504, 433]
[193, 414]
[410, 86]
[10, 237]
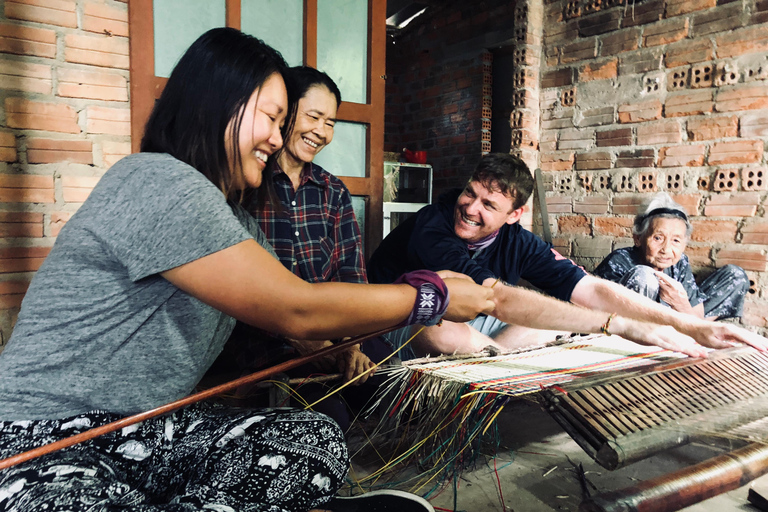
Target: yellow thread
[366, 372]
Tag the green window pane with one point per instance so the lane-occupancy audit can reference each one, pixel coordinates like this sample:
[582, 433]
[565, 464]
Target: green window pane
[279, 23]
[342, 46]
[346, 154]
[358, 204]
[178, 23]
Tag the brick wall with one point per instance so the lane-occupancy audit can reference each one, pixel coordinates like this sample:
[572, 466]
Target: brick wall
[668, 96]
[65, 120]
[435, 85]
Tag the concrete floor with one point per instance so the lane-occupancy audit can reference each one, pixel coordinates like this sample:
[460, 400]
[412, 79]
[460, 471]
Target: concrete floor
[536, 475]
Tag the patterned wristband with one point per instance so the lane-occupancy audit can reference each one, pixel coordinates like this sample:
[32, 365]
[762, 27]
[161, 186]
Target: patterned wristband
[431, 297]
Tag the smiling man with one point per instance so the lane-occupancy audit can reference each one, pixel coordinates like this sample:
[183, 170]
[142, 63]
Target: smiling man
[475, 231]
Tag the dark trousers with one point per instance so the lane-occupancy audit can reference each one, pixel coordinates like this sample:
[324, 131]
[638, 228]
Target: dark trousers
[203, 457]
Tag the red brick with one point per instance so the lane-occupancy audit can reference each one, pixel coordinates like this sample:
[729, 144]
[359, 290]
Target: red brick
[12, 293]
[26, 188]
[665, 32]
[581, 50]
[21, 224]
[714, 231]
[755, 233]
[594, 160]
[748, 259]
[600, 23]
[36, 115]
[638, 112]
[754, 178]
[736, 205]
[740, 42]
[663, 132]
[754, 124]
[628, 205]
[682, 156]
[77, 188]
[591, 205]
[689, 52]
[699, 257]
[50, 12]
[47, 151]
[102, 51]
[7, 147]
[618, 137]
[688, 103]
[575, 139]
[114, 151]
[97, 85]
[22, 259]
[58, 219]
[559, 204]
[22, 40]
[105, 19]
[596, 117]
[736, 152]
[112, 121]
[642, 61]
[643, 13]
[599, 70]
[557, 161]
[557, 78]
[742, 98]
[678, 7]
[574, 225]
[618, 42]
[635, 158]
[22, 76]
[689, 202]
[620, 227]
[717, 21]
[713, 128]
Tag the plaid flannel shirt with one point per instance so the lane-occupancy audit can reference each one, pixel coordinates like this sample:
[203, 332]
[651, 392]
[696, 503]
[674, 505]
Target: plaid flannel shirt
[316, 236]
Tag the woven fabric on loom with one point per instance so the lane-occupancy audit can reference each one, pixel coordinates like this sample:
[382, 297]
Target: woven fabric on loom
[530, 371]
[435, 411]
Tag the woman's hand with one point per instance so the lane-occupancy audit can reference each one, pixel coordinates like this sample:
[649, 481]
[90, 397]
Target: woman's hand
[672, 292]
[353, 362]
[467, 299]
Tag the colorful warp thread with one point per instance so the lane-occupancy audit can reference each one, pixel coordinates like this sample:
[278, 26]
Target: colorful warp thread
[441, 408]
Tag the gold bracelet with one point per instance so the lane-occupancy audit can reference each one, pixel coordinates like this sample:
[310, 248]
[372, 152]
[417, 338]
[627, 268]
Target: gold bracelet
[604, 328]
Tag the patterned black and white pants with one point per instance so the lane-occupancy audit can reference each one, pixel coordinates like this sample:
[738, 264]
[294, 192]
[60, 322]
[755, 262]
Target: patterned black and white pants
[204, 457]
[724, 289]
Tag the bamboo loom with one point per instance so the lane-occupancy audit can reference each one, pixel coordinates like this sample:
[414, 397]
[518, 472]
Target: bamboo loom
[619, 409]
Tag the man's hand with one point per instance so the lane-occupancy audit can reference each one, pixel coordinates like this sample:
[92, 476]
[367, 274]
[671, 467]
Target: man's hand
[722, 335]
[663, 336]
[467, 299]
[672, 292]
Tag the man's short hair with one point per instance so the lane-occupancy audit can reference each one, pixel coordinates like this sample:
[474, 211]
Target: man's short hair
[508, 174]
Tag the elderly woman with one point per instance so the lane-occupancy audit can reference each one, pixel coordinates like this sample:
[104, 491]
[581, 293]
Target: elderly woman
[657, 268]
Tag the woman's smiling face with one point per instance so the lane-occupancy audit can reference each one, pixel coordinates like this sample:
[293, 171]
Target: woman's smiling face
[259, 136]
[315, 121]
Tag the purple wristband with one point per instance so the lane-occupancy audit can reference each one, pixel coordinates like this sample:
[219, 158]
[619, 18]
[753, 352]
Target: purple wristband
[431, 297]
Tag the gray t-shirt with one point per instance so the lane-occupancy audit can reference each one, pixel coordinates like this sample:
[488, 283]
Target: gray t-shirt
[99, 328]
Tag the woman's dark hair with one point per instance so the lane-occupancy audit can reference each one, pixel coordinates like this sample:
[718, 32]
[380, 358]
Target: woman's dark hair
[207, 89]
[299, 79]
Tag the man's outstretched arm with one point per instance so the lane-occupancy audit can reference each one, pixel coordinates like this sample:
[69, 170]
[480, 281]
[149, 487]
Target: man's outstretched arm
[527, 308]
[598, 294]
